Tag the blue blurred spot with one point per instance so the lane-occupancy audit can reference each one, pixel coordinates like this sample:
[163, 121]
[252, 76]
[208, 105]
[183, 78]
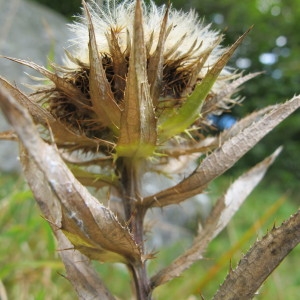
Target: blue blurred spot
[222, 122]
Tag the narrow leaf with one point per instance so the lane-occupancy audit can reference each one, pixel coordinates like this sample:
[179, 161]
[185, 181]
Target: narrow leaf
[191, 108]
[61, 84]
[80, 272]
[137, 133]
[156, 61]
[260, 261]
[63, 135]
[90, 226]
[198, 67]
[92, 179]
[119, 65]
[228, 205]
[220, 216]
[8, 135]
[230, 88]
[224, 157]
[102, 97]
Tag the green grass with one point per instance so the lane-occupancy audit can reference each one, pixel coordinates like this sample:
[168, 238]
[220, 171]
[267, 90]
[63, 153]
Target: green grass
[31, 269]
[29, 262]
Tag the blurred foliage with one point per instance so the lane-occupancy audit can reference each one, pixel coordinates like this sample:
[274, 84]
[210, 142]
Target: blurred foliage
[28, 256]
[272, 47]
[68, 8]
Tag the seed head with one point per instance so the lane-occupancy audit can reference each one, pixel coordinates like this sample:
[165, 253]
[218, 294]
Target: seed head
[138, 81]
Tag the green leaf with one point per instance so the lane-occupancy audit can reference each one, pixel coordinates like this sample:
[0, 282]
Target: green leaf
[92, 179]
[186, 115]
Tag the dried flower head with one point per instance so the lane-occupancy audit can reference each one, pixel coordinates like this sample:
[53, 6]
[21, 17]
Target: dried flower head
[139, 82]
[114, 49]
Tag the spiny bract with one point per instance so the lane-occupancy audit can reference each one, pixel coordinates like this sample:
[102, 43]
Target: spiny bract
[138, 81]
[187, 42]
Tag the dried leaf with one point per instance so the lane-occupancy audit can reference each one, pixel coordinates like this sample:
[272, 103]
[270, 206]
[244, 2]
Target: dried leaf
[61, 84]
[106, 161]
[229, 204]
[174, 47]
[189, 111]
[244, 123]
[210, 143]
[63, 136]
[8, 135]
[119, 65]
[73, 59]
[222, 213]
[260, 261]
[215, 142]
[204, 146]
[137, 134]
[89, 225]
[156, 61]
[224, 157]
[102, 98]
[80, 273]
[39, 114]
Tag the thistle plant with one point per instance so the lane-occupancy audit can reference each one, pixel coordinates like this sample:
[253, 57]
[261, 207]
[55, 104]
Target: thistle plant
[133, 97]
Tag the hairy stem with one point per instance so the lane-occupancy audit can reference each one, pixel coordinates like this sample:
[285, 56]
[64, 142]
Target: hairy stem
[131, 171]
[142, 287]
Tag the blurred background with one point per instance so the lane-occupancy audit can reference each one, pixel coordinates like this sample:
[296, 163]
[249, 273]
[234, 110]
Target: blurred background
[28, 266]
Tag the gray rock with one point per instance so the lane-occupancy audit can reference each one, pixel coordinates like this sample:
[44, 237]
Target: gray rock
[32, 32]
